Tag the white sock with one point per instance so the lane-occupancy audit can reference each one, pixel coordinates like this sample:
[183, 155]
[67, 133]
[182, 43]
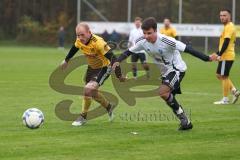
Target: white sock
[225, 99]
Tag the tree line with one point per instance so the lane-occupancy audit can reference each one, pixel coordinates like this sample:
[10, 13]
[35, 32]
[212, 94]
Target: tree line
[40, 19]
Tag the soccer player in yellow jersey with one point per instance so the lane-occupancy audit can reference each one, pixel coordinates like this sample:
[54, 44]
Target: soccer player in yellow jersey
[99, 59]
[226, 56]
[168, 30]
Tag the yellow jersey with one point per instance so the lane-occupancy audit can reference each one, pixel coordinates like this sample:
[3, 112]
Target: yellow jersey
[171, 32]
[229, 31]
[94, 50]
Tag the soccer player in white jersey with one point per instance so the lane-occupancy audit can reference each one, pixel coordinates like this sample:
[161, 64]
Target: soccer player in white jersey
[162, 49]
[135, 34]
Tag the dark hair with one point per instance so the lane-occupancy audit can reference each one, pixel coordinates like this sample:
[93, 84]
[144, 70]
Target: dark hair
[227, 10]
[149, 23]
[138, 19]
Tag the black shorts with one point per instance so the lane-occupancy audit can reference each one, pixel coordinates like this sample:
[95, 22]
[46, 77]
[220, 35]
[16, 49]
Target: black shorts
[99, 75]
[224, 68]
[136, 56]
[173, 80]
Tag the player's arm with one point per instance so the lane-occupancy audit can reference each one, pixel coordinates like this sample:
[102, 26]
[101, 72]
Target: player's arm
[112, 58]
[227, 36]
[133, 50]
[70, 54]
[188, 49]
[224, 46]
[198, 54]
[122, 57]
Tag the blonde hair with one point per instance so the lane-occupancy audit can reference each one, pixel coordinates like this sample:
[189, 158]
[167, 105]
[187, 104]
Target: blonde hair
[83, 24]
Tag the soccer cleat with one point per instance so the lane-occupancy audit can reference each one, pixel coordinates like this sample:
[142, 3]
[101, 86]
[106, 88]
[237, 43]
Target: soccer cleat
[236, 94]
[185, 127]
[222, 102]
[79, 121]
[110, 112]
[185, 123]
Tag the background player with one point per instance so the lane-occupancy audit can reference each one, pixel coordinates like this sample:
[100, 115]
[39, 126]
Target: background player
[167, 29]
[226, 57]
[135, 34]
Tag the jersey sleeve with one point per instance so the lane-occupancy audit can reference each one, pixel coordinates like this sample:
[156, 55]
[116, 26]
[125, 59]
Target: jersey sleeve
[173, 43]
[102, 47]
[137, 47]
[180, 46]
[229, 31]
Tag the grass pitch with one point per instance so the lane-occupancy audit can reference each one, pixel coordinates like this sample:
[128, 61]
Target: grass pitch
[24, 83]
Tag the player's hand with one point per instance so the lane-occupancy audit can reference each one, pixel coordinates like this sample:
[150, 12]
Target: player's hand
[214, 57]
[64, 64]
[115, 64]
[123, 78]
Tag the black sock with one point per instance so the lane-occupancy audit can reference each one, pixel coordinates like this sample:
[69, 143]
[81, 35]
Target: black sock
[84, 115]
[134, 72]
[172, 102]
[108, 107]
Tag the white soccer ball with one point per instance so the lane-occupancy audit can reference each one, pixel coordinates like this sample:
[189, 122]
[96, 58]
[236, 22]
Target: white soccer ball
[33, 118]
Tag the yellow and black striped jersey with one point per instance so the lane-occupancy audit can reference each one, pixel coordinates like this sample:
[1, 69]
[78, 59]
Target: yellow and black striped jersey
[94, 50]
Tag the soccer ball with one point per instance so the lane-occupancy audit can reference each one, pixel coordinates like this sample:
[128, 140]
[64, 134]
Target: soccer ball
[33, 118]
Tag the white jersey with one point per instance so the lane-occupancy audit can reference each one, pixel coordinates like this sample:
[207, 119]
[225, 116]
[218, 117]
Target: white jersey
[134, 35]
[165, 52]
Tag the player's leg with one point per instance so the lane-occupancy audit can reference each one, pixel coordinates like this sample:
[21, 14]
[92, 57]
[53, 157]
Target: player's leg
[235, 92]
[82, 119]
[94, 79]
[99, 97]
[97, 78]
[169, 84]
[92, 90]
[134, 59]
[87, 99]
[145, 66]
[86, 103]
[223, 71]
[169, 98]
[220, 76]
[225, 87]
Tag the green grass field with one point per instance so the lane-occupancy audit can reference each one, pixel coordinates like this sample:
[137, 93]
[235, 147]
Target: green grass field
[24, 83]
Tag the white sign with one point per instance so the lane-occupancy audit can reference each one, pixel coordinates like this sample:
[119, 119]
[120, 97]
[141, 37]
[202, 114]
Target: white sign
[194, 30]
[198, 30]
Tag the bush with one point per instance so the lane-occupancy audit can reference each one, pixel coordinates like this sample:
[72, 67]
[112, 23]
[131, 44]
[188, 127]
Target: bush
[31, 31]
[45, 33]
